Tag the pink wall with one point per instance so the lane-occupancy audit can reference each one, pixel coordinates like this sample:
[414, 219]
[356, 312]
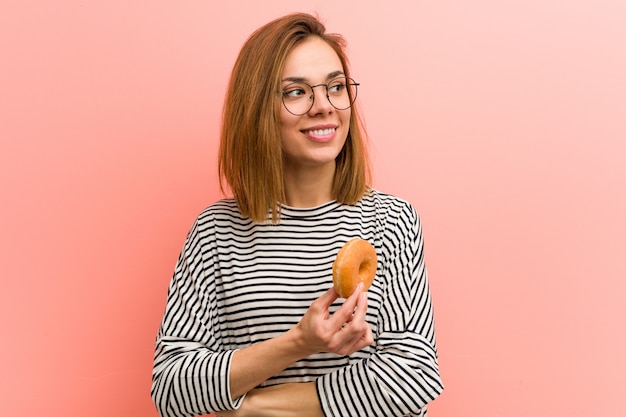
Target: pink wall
[502, 122]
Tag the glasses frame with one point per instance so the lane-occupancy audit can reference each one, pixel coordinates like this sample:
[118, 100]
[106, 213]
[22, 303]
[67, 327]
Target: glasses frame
[349, 82]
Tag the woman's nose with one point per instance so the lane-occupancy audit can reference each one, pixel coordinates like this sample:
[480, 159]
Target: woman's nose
[321, 102]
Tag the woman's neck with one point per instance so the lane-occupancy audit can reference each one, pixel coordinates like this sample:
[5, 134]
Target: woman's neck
[309, 188]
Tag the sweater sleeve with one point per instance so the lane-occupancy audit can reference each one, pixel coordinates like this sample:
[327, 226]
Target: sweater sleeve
[190, 375]
[402, 375]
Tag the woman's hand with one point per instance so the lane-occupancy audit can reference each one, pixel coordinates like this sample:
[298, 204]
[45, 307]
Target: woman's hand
[343, 332]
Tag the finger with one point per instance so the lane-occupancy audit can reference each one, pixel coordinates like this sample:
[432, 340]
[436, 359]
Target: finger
[344, 313]
[357, 332]
[364, 341]
[325, 300]
[361, 307]
[354, 336]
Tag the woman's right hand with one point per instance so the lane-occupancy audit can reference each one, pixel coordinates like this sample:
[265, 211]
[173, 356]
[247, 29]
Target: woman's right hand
[344, 332]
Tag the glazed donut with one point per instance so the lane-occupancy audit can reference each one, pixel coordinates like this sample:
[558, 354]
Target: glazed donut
[356, 262]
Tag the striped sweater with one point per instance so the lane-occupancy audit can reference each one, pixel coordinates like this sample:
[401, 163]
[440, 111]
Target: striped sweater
[237, 283]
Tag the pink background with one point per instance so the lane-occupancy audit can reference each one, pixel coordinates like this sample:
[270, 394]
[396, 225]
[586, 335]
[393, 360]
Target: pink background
[503, 122]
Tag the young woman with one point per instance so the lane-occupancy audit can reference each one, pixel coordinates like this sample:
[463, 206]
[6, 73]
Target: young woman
[253, 326]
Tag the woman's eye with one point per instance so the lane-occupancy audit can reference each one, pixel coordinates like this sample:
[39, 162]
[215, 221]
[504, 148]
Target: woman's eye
[294, 92]
[336, 88]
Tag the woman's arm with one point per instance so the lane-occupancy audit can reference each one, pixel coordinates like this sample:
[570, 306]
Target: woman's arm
[401, 376]
[285, 400]
[343, 332]
[181, 373]
[194, 375]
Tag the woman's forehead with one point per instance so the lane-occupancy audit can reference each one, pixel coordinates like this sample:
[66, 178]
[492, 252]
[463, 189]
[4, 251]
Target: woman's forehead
[312, 61]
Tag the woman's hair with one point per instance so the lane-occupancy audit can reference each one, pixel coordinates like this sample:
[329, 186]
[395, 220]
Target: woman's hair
[251, 157]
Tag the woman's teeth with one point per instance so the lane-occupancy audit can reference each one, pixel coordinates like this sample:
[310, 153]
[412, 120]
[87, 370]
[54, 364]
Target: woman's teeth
[321, 132]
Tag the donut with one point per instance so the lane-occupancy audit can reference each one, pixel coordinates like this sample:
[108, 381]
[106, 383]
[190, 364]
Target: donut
[355, 262]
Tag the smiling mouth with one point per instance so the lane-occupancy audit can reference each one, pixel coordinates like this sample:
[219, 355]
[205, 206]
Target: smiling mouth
[321, 132]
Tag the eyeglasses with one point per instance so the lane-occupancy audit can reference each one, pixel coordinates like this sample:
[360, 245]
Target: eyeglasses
[298, 97]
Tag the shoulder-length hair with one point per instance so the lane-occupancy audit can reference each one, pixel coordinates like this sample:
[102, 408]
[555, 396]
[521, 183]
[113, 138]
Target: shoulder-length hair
[251, 159]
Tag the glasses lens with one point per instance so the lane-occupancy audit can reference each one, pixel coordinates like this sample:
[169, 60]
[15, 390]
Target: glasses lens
[297, 98]
[342, 92]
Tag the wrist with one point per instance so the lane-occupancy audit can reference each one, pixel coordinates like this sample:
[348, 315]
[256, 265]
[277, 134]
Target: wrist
[295, 338]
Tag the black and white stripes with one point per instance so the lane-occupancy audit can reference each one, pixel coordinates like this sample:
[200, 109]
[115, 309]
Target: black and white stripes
[237, 283]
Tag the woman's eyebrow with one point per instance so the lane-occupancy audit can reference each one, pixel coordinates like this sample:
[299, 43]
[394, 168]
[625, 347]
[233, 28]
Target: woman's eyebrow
[334, 74]
[304, 80]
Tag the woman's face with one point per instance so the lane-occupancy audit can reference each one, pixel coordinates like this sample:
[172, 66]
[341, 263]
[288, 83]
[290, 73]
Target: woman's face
[314, 139]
